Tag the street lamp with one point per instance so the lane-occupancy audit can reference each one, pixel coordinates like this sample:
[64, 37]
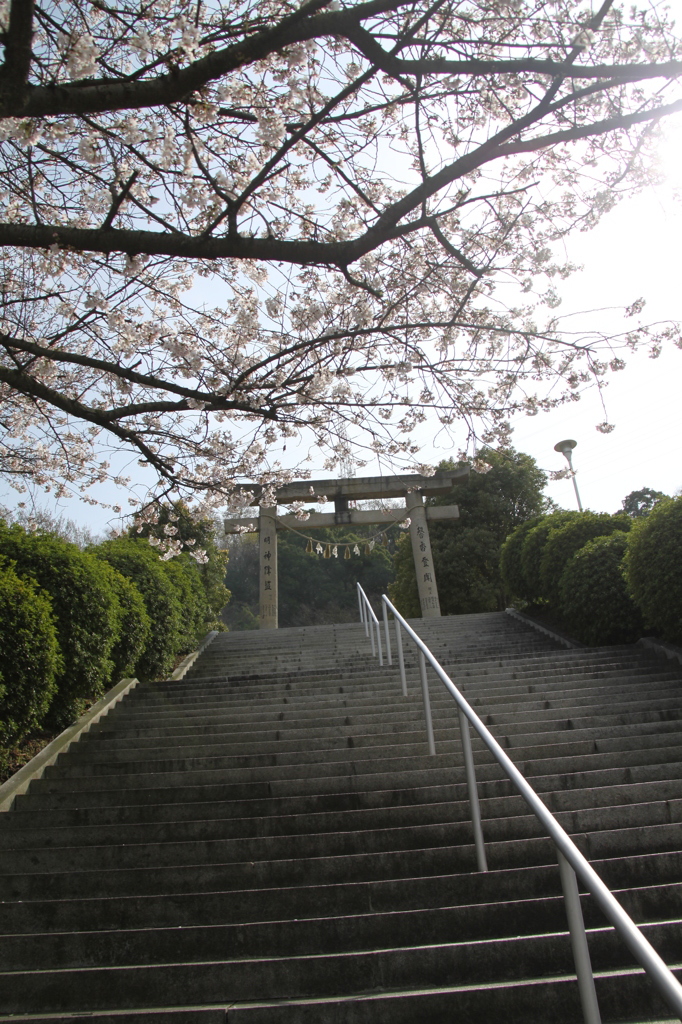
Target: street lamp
[566, 448]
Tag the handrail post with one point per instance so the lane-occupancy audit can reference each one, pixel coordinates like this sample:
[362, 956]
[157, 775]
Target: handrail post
[362, 611]
[581, 952]
[381, 656]
[371, 636]
[401, 659]
[388, 639]
[472, 789]
[427, 703]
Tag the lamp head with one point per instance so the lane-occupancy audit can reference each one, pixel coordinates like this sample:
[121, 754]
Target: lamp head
[565, 447]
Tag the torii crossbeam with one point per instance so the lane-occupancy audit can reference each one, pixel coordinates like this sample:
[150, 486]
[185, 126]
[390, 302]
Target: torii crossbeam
[413, 487]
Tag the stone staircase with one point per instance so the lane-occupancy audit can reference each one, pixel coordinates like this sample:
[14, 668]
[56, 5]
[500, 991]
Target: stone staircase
[268, 841]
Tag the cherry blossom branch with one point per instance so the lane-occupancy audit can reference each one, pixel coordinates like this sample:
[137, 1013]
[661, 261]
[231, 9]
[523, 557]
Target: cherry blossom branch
[17, 41]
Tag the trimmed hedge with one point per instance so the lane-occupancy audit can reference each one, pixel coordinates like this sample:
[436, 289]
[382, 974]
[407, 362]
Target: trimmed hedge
[30, 659]
[510, 557]
[533, 549]
[653, 566]
[135, 560]
[595, 602]
[565, 540]
[183, 574]
[134, 624]
[86, 611]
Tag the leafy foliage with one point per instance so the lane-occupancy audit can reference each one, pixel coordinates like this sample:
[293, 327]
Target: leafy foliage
[653, 566]
[312, 590]
[595, 602]
[640, 503]
[135, 560]
[30, 659]
[133, 624]
[85, 609]
[466, 552]
[533, 549]
[510, 558]
[564, 540]
[196, 616]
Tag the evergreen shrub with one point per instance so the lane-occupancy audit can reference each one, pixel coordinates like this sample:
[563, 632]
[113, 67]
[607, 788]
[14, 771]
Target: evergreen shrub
[653, 565]
[30, 659]
[533, 549]
[595, 602]
[566, 539]
[136, 560]
[86, 612]
[133, 625]
[510, 559]
[183, 575]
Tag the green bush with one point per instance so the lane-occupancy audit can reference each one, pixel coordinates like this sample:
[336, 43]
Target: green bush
[533, 549]
[566, 539]
[86, 612]
[133, 624]
[184, 576]
[30, 658]
[595, 602]
[653, 566]
[135, 560]
[510, 559]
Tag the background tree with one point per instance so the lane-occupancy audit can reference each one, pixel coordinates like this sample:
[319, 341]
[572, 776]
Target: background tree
[640, 503]
[466, 552]
[353, 182]
[313, 590]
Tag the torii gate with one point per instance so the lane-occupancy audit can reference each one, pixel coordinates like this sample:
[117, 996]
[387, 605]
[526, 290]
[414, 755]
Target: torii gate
[412, 487]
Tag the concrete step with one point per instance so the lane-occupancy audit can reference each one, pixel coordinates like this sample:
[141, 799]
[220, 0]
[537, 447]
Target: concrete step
[269, 840]
[477, 963]
[558, 792]
[381, 895]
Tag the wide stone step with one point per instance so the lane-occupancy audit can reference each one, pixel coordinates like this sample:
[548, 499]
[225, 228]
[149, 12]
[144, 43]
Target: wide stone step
[210, 820]
[611, 786]
[289, 736]
[190, 941]
[319, 759]
[382, 895]
[340, 776]
[488, 961]
[269, 840]
[200, 873]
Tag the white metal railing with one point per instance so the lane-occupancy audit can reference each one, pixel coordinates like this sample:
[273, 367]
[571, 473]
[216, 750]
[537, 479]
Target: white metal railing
[572, 863]
[371, 623]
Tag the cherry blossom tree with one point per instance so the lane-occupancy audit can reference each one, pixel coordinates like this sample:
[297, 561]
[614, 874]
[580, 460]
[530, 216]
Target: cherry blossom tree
[226, 226]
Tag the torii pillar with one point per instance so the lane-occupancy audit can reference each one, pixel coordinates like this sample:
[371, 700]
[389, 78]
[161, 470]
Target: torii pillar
[411, 487]
[423, 560]
[267, 537]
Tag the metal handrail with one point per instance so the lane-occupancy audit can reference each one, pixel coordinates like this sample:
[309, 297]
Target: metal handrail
[369, 621]
[571, 860]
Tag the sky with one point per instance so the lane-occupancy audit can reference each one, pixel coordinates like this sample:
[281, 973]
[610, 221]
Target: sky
[636, 251]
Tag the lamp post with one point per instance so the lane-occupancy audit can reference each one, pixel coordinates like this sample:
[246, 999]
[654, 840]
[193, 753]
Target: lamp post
[566, 448]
